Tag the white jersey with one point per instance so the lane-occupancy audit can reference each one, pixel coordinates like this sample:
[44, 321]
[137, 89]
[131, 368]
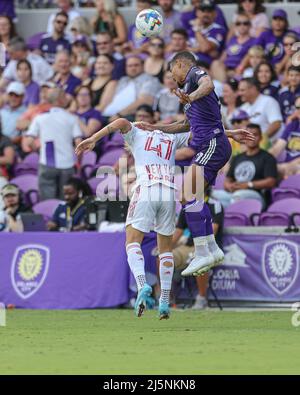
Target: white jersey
[154, 155]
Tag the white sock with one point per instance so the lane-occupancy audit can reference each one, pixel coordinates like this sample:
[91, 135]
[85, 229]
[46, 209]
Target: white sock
[212, 245]
[136, 263]
[166, 270]
[201, 246]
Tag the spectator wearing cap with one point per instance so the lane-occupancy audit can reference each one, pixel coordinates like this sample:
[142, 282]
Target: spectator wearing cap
[105, 46]
[90, 118]
[251, 175]
[63, 77]
[65, 6]
[288, 94]
[172, 19]
[17, 50]
[27, 117]
[237, 47]
[57, 40]
[188, 17]
[13, 111]
[208, 37]
[58, 131]
[7, 156]
[255, 11]
[135, 89]
[13, 207]
[272, 39]
[289, 144]
[32, 89]
[263, 110]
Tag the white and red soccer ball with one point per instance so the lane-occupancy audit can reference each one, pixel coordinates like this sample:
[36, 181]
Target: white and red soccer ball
[149, 22]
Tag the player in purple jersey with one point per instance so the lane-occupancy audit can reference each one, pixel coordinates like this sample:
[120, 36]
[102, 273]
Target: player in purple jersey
[210, 149]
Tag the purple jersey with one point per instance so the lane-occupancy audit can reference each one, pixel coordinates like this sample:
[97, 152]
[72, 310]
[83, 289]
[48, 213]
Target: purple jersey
[272, 45]
[90, 114]
[32, 94]
[50, 47]
[214, 33]
[204, 115]
[236, 52]
[70, 85]
[7, 8]
[135, 37]
[187, 17]
[286, 100]
[291, 135]
[272, 89]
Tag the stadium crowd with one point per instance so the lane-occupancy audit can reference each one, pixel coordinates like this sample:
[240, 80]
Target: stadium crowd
[63, 84]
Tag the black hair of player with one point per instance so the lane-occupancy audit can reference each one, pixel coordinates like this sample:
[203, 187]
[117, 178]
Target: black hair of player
[184, 56]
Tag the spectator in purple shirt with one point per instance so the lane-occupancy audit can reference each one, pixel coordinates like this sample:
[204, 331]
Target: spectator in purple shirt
[172, 19]
[209, 37]
[63, 77]
[32, 89]
[188, 16]
[290, 143]
[290, 49]
[90, 119]
[237, 47]
[51, 44]
[266, 78]
[288, 94]
[7, 8]
[272, 39]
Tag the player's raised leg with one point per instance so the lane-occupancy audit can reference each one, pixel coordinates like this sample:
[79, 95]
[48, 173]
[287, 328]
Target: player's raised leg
[136, 263]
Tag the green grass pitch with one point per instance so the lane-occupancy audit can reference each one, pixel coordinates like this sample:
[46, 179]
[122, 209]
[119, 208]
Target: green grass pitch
[116, 342]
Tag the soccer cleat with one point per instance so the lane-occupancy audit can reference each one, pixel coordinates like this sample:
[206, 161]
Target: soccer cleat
[142, 299]
[199, 263]
[218, 260]
[164, 311]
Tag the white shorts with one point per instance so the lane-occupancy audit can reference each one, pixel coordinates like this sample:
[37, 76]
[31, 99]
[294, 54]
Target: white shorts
[153, 208]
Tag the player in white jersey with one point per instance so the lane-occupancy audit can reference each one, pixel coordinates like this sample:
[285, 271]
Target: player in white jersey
[153, 204]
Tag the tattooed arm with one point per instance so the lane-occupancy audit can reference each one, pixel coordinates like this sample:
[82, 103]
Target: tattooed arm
[206, 86]
[122, 124]
[173, 128]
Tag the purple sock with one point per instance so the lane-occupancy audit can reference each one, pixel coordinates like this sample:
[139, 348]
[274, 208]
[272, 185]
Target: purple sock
[195, 214]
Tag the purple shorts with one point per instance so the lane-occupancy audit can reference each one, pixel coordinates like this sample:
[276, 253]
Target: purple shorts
[213, 156]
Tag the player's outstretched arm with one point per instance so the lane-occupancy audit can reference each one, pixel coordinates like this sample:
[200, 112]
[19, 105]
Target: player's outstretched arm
[122, 125]
[173, 128]
[240, 135]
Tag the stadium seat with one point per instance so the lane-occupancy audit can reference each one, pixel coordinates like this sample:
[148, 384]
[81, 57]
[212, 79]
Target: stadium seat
[88, 163]
[28, 166]
[103, 186]
[46, 208]
[284, 193]
[280, 213]
[291, 182]
[220, 181]
[115, 142]
[28, 184]
[241, 212]
[110, 157]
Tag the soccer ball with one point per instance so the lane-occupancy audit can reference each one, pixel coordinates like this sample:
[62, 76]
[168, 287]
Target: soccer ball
[149, 22]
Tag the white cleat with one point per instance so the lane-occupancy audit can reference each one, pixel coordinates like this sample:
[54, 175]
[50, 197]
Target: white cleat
[218, 260]
[199, 263]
